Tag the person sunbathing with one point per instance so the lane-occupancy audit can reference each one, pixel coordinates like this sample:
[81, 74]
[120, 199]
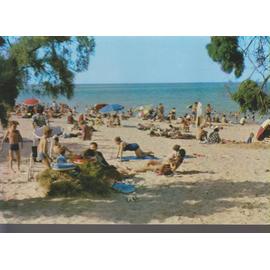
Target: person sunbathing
[124, 146]
[144, 127]
[168, 166]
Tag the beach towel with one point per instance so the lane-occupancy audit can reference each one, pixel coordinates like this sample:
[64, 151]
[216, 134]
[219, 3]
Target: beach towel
[128, 158]
[123, 188]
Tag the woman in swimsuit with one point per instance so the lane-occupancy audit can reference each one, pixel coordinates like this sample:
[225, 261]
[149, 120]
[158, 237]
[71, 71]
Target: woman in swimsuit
[168, 166]
[123, 146]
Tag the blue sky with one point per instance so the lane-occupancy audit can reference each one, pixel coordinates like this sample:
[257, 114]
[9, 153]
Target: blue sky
[152, 59]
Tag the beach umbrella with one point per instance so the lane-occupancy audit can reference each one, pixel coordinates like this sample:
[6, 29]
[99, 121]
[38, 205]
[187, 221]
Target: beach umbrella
[31, 102]
[112, 108]
[100, 106]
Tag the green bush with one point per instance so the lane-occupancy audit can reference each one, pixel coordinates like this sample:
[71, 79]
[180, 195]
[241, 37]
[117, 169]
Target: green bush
[90, 178]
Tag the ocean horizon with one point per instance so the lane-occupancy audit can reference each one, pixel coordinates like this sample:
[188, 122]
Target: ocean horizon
[178, 95]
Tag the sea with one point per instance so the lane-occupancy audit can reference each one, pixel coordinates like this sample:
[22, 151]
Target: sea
[178, 95]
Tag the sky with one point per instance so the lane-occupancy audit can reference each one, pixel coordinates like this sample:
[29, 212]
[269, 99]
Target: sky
[153, 60]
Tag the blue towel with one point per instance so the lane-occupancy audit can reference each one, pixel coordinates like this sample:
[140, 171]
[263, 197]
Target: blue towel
[123, 188]
[127, 158]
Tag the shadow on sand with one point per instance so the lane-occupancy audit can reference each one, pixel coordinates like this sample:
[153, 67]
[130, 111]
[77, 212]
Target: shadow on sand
[186, 199]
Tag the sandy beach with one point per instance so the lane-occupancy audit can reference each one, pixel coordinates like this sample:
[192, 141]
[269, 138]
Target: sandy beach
[224, 184]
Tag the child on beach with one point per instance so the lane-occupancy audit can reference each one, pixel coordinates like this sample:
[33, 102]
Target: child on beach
[250, 138]
[61, 157]
[56, 147]
[43, 148]
[13, 136]
[123, 146]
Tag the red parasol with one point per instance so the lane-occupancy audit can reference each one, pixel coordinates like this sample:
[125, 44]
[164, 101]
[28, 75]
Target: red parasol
[99, 106]
[31, 102]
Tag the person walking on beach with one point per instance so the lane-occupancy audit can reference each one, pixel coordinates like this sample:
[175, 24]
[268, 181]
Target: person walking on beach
[123, 146]
[13, 136]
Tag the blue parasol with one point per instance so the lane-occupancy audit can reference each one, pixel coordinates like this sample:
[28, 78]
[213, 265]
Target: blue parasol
[112, 108]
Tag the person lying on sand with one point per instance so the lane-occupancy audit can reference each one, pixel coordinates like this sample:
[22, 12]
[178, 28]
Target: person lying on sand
[171, 133]
[169, 165]
[144, 126]
[14, 137]
[123, 147]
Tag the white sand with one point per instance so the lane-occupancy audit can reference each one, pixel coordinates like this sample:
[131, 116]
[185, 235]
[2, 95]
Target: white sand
[229, 185]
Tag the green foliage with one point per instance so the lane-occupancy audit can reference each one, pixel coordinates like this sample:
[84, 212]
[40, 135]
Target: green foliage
[49, 62]
[91, 179]
[9, 82]
[225, 51]
[251, 98]
[231, 53]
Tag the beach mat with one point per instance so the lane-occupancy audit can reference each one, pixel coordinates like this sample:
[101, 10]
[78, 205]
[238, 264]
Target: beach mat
[123, 188]
[128, 158]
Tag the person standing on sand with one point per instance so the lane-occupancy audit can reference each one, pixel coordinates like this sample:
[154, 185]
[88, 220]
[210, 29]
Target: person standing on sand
[161, 112]
[194, 110]
[38, 120]
[13, 136]
[208, 112]
[43, 148]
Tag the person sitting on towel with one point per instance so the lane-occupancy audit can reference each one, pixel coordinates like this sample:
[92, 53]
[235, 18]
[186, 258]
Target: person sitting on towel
[123, 146]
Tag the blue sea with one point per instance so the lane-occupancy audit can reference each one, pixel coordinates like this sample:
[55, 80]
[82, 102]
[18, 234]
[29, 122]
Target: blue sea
[178, 95]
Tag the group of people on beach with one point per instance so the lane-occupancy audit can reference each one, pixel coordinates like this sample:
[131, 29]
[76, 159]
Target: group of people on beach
[83, 127]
